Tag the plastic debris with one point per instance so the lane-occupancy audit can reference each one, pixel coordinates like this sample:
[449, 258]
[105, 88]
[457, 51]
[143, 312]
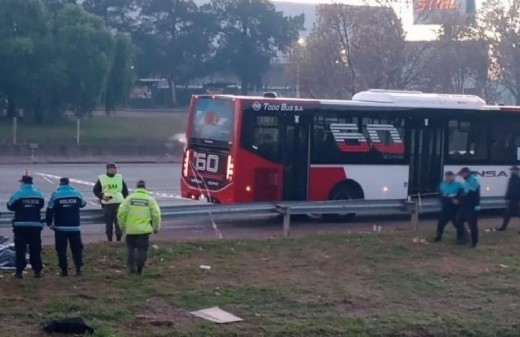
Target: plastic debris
[419, 240]
[205, 267]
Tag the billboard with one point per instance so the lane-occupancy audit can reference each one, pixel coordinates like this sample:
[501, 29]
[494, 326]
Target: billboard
[434, 12]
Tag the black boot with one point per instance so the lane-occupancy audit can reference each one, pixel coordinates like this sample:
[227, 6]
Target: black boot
[139, 270]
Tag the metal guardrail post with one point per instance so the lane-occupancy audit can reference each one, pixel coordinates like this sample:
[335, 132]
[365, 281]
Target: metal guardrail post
[413, 208]
[286, 212]
[415, 216]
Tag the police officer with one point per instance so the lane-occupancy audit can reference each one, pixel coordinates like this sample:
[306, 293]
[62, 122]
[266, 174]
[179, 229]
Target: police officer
[512, 198]
[449, 190]
[26, 203]
[64, 208]
[469, 206]
[111, 190]
[139, 216]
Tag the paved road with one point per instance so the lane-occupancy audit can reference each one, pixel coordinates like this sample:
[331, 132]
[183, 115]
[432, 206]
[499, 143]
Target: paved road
[162, 179]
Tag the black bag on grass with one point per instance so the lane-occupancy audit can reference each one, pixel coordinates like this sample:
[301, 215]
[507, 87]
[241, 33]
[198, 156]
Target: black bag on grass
[76, 325]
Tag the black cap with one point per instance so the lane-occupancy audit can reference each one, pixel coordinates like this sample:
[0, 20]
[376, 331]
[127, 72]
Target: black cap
[141, 184]
[26, 179]
[515, 168]
[111, 165]
[464, 170]
[64, 181]
[449, 173]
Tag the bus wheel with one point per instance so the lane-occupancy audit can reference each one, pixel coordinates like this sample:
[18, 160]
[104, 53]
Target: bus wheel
[345, 191]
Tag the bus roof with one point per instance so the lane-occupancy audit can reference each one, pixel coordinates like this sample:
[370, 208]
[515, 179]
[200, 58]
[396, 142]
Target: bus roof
[392, 99]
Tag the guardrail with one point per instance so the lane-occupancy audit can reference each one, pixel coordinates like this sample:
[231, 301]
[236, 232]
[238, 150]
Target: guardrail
[413, 207]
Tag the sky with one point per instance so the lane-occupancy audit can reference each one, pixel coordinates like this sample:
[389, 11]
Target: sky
[404, 10]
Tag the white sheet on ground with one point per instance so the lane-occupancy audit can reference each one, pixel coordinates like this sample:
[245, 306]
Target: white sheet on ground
[217, 315]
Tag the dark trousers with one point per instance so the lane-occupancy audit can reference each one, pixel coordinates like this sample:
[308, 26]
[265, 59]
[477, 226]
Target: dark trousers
[511, 210]
[137, 251]
[110, 213]
[470, 217]
[28, 236]
[445, 217]
[76, 247]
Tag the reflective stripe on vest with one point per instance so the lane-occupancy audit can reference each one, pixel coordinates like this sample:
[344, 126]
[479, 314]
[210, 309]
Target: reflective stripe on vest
[27, 224]
[112, 186]
[66, 229]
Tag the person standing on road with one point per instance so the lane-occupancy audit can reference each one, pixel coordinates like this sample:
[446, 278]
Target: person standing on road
[139, 216]
[27, 203]
[63, 209]
[512, 198]
[469, 207]
[111, 190]
[449, 190]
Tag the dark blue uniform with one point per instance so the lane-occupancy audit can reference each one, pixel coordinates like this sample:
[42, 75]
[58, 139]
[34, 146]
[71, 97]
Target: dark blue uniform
[512, 198]
[26, 203]
[449, 209]
[64, 209]
[469, 206]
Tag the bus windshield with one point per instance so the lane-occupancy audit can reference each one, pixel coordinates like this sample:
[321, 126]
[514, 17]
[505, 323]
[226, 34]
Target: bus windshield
[212, 122]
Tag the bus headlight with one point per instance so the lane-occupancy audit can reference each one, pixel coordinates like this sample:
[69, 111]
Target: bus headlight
[186, 163]
[230, 168]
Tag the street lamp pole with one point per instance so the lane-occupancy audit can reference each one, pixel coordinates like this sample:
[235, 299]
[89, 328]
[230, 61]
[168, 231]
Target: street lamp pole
[298, 79]
[301, 44]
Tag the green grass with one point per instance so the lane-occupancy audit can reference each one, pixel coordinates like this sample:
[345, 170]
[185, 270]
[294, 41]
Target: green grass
[326, 285]
[119, 130]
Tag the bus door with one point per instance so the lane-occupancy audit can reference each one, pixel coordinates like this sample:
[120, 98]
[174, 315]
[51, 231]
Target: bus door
[425, 150]
[296, 156]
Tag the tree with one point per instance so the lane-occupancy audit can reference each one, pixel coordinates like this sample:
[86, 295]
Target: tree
[499, 25]
[85, 49]
[121, 74]
[455, 64]
[174, 39]
[252, 33]
[353, 48]
[121, 15]
[55, 5]
[22, 26]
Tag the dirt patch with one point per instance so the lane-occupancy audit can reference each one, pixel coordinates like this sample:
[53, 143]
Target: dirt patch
[159, 313]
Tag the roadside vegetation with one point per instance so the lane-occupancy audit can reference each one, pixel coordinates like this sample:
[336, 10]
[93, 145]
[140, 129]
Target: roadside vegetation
[143, 129]
[384, 284]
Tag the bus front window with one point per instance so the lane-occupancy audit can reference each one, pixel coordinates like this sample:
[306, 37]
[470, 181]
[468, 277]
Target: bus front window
[213, 121]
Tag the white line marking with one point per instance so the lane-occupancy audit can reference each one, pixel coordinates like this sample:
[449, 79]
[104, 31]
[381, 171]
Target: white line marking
[89, 183]
[48, 180]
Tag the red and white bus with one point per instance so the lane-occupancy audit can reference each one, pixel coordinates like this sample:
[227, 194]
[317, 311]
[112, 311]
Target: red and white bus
[379, 145]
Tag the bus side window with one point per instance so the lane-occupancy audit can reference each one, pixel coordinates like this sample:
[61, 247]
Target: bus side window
[467, 140]
[504, 142]
[266, 137]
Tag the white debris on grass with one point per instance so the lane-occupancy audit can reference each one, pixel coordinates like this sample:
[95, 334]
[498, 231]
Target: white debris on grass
[217, 315]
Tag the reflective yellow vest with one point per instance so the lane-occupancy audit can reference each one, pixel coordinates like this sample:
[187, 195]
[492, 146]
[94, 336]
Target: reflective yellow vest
[112, 186]
[139, 214]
